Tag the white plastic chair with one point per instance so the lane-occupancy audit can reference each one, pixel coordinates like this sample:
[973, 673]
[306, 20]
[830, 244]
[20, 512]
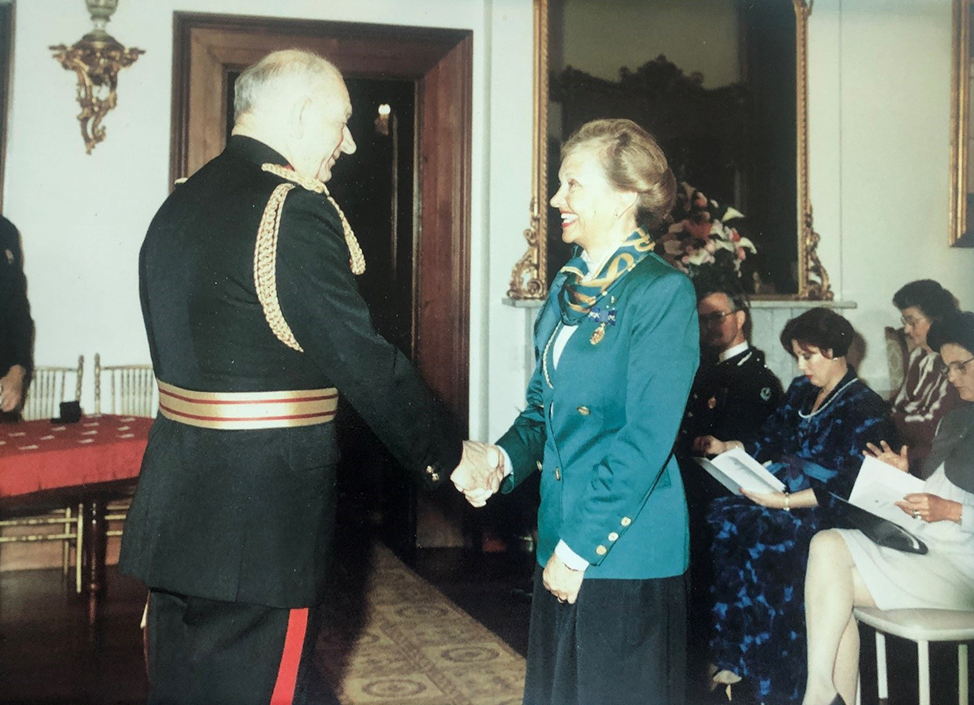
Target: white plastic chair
[922, 626]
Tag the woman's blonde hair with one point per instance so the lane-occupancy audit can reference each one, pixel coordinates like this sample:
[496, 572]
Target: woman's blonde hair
[633, 161]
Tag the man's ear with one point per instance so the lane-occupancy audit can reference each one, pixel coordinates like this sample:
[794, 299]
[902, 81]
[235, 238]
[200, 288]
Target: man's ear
[741, 317]
[299, 116]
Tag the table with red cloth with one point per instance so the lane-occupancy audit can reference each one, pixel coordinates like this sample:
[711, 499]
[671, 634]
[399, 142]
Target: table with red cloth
[48, 463]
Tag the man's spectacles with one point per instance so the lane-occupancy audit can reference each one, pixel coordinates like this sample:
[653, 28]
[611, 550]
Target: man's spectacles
[958, 367]
[715, 317]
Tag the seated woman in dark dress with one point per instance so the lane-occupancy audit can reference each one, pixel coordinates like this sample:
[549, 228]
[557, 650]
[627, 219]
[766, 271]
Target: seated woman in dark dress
[815, 439]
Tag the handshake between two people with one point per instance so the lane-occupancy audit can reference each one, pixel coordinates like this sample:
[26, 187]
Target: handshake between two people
[480, 472]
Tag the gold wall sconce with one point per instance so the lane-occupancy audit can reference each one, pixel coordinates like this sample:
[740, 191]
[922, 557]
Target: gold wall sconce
[96, 58]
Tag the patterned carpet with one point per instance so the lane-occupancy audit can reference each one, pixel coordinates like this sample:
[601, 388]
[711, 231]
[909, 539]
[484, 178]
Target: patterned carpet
[405, 643]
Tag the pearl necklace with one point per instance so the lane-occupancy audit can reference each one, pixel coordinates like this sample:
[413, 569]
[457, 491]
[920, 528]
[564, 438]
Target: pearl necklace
[832, 399]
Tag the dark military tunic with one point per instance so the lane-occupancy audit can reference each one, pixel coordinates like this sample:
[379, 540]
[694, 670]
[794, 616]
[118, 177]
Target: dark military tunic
[248, 515]
[16, 326]
[731, 399]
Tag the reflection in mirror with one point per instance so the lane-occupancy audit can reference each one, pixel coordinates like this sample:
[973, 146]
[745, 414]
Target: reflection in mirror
[962, 167]
[720, 83]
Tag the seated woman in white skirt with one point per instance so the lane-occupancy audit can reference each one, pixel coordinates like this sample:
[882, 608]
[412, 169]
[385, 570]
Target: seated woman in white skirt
[847, 570]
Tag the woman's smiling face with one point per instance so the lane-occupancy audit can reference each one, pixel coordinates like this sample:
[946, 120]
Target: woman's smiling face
[585, 198]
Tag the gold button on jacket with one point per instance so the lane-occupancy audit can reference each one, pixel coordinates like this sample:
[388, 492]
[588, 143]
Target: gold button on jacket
[584, 410]
[626, 521]
[558, 474]
[601, 550]
[613, 536]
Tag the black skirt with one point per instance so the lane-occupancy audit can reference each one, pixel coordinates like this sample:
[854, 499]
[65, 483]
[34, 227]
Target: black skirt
[623, 642]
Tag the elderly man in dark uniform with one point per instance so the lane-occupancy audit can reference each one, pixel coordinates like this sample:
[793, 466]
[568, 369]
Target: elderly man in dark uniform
[16, 326]
[255, 327]
[733, 393]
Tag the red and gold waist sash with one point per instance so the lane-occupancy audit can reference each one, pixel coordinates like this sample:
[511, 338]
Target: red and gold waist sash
[234, 411]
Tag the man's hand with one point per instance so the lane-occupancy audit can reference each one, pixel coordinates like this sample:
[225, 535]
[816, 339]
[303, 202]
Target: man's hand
[561, 581]
[900, 460]
[12, 388]
[479, 473]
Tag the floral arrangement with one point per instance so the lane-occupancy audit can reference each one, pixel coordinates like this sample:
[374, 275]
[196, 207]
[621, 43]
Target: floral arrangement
[704, 235]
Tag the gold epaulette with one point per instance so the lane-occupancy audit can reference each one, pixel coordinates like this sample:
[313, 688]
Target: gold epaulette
[356, 258]
[265, 250]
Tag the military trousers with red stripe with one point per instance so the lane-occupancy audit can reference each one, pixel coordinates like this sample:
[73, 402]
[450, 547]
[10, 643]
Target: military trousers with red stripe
[208, 652]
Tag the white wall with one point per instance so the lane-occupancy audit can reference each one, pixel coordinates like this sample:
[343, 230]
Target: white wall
[82, 217]
[880, 155]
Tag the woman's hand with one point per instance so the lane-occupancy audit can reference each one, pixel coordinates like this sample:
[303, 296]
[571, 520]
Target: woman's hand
[709, 445]
[771, 500]
[930, 507]
[561, 581]
[900, 461]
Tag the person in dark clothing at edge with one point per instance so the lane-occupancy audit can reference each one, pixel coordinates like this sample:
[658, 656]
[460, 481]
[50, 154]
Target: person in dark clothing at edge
[16, 326]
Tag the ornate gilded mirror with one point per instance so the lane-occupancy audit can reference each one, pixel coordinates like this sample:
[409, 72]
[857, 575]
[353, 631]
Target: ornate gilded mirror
[725, 136]
[961, 174]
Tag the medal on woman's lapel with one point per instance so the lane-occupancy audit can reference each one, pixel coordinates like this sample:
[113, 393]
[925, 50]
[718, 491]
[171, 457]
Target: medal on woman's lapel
[604, 317]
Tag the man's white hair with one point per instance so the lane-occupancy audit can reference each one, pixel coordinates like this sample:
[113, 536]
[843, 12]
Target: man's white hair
[280, 76]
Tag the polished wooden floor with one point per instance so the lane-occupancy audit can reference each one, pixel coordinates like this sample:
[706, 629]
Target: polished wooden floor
[49, 655]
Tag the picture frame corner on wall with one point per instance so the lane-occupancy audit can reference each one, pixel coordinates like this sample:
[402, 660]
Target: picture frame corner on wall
[529, 277]
[961, 180]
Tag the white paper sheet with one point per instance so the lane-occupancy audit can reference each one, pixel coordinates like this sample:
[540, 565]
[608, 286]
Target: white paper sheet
[735, 469]
[878, 486]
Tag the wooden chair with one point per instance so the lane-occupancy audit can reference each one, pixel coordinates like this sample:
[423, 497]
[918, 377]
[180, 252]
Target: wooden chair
[921, 626]
[49, 386]
[131, 391]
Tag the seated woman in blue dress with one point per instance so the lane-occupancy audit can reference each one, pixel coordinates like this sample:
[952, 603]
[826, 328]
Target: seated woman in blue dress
[815, 439]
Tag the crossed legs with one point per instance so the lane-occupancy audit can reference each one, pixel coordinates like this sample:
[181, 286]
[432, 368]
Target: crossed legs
[833, 586]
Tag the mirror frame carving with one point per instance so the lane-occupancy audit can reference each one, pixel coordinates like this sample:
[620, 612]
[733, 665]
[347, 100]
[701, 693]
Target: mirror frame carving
[960, 116]
[528, 276]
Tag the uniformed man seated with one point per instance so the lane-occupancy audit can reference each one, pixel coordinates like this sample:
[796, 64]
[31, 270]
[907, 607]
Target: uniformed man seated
[733, 393]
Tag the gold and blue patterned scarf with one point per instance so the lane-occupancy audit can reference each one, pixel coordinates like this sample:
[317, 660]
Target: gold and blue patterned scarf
[577, 297]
